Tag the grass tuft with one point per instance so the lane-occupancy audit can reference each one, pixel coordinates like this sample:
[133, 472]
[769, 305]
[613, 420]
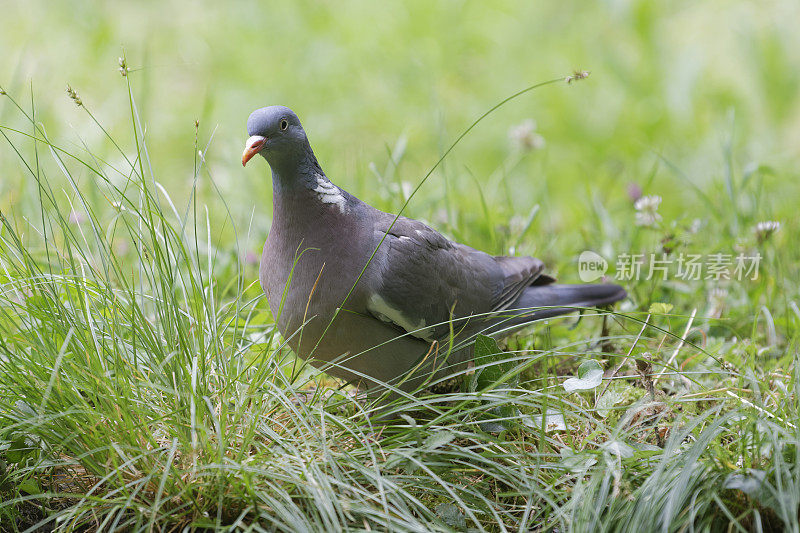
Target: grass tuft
[143, 385]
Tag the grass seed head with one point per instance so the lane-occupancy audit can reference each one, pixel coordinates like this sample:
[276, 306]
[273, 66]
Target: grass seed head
[74, 95]
[123, 67]
[577, 75]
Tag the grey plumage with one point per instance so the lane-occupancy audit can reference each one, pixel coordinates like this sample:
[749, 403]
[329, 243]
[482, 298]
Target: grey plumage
[417, 289]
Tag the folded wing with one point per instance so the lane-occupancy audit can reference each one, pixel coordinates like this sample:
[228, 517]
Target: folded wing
[425, 284]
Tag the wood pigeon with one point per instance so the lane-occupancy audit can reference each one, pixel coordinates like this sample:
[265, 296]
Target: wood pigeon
[369, 297]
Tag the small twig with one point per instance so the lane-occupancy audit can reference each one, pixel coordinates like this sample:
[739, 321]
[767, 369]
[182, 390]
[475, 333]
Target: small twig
[605, 343]
[677, 348]
[761, 410]
[644, 365]
[628, 355]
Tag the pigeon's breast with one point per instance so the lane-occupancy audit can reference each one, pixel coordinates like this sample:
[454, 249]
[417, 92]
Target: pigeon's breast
[308, 268]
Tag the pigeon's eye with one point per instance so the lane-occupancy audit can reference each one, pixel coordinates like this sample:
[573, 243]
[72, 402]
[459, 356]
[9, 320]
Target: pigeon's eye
[284, 124]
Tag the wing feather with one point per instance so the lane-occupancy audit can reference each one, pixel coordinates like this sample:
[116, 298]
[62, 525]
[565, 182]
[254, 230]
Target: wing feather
[425, 280]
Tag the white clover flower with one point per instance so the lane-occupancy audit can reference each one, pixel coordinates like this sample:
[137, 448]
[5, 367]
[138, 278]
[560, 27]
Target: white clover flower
[524, 136]
[765, 229]
[647, 211]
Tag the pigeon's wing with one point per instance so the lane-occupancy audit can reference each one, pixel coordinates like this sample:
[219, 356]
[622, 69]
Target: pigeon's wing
[424, 283]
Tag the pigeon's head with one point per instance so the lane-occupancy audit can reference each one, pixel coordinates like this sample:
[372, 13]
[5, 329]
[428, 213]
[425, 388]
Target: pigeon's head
[274, 131]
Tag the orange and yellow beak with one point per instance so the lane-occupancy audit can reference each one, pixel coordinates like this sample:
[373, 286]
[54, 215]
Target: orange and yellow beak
[252, 147]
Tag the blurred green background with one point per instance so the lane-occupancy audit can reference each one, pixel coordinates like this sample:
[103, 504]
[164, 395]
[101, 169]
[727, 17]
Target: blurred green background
[685, 81]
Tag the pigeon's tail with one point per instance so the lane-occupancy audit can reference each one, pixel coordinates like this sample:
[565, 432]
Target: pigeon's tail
[546, 301]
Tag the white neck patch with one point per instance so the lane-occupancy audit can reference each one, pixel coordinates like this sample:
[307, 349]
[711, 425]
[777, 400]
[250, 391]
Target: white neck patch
[328, 193]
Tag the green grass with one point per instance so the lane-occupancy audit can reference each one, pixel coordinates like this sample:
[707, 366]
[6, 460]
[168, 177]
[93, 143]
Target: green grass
[143, 385]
